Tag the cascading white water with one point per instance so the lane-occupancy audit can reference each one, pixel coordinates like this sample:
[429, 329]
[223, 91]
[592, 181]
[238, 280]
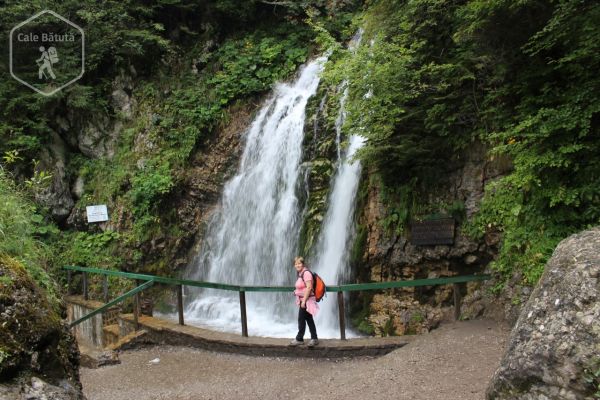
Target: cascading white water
[332, 256]
[252, 239]
[332, 251]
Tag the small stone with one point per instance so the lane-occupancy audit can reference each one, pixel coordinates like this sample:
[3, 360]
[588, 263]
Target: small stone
[37, 383]
[108, 358]
[470, 259]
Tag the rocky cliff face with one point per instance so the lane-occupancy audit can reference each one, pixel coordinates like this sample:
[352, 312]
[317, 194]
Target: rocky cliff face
[319, 155]
[554, 349]
[94, 136]
[392, 256]
[381, 255]
[39, 358]
[191, 201]
[202, 186]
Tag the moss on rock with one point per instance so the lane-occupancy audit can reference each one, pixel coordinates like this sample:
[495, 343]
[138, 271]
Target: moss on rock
[33, 339]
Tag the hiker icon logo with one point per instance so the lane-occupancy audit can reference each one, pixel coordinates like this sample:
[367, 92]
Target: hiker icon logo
[47, 52]
[45, 62]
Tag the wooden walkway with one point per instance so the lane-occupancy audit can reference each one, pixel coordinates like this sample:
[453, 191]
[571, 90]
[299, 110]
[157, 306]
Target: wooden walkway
[162, 332]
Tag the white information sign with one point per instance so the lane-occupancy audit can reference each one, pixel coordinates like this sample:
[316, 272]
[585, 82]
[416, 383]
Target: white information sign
[97, 213]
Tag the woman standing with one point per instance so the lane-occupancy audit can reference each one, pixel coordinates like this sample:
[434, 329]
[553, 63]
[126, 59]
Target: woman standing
[308, 307]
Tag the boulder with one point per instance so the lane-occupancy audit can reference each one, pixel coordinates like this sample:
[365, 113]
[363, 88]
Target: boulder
[39, 358]
[554, 348]
[38, 389]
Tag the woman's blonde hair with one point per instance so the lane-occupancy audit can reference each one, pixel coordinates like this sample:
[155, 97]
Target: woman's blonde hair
[301, 259]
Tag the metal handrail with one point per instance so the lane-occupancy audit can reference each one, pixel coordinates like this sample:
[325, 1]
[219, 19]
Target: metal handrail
[242, 289]
[112, 303]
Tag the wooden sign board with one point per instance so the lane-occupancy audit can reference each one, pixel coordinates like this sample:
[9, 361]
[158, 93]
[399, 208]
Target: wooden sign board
[97, 213]
[432, 232]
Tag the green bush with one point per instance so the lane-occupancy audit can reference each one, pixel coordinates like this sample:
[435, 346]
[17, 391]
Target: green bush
[148, 187]
[22, 229]
[433, 77]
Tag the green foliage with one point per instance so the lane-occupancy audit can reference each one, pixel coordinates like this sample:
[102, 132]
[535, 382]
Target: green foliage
[408, 92]
[401, 204]
[40, 179]
[251, 64]
[119, 34]
[21, 230]
[548, 126]
[94, 250]
[178, 111]
[432, 77]
[417, 317]
[457, 210]
[388, 329]
[358, 246]
[360, 320]
[148, 186]
[11, 156]
[241, 67]
[592, 377]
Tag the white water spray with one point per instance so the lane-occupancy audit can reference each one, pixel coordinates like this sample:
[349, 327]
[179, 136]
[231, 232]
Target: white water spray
[337, 234]
[252, 240]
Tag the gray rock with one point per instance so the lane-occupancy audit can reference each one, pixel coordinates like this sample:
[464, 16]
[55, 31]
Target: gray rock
[41, 390]
[470, 259]
[121, 98]
[38, 389]
[97, 137]
[94, 360]
[557, 335]
[78, 188]
[57, 195]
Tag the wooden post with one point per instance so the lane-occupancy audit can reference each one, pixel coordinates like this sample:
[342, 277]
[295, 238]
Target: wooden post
[457, 300]
[69, 278]
[180, 303]
[243, 313]
[85, 286]
[105, 288]
[136, 308]
[340, 297]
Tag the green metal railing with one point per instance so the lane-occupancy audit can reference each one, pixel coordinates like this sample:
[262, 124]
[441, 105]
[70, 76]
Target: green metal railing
[180, 283]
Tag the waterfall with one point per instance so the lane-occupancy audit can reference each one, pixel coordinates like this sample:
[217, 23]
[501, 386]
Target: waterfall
[251, 240]
[333, 245]
[338, 231]
[253, 237]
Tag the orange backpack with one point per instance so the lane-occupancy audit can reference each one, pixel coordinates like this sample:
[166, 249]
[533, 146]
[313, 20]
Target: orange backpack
[319, 288]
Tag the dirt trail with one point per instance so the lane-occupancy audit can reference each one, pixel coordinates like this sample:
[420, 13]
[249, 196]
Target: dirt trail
[454, 362]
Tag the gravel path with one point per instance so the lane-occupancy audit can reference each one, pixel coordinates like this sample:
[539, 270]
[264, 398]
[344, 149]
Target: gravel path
[454, 362]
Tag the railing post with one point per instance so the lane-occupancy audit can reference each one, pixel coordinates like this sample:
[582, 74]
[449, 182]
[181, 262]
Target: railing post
[105, 288]
[340, 298]
[136, 308]
[457, 300]
[85, 286]
[243, 313]
[69, 278]
[180, 303]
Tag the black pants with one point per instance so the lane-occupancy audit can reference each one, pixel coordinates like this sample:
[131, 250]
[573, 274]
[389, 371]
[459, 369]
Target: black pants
[304, 317]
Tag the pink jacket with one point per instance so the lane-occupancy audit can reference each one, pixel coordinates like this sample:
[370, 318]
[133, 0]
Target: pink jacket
[311, 304]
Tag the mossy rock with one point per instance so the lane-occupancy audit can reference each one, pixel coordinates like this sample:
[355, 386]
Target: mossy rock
[33, 339]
